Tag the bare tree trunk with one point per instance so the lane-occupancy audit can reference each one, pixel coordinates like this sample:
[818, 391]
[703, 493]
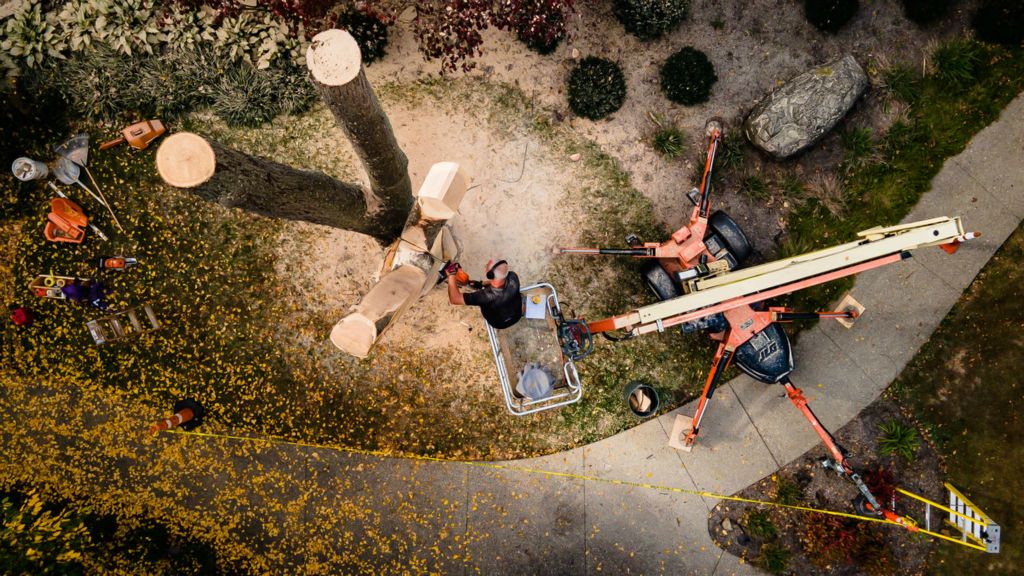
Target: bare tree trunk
[237, 180]
[335, 62]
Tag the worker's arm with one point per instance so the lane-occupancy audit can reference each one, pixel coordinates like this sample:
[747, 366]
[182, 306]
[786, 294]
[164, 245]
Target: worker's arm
[454, 295]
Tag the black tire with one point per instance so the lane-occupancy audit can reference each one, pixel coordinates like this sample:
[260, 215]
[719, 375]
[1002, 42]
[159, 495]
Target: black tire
[659, 281]
[729, 231]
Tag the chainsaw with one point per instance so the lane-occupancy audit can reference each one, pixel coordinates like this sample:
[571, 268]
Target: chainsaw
[116, 263]
[461, 277]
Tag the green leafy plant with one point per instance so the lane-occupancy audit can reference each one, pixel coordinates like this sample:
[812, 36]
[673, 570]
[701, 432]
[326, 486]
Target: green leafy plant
[898, 439]
[926, 11]
[787, 492]
[687, 77]
[369, 32]
[260, 41]
[245, 96]
[755, 187]
[185, 29]
[774, 558]
[29, 38]
[650, 19]
[597, 88]
[759, 525]
[669, 142]
[859, 147]
[903, 83]
[126, 26]
[957, 61]
[1000, 22]
[830, 15]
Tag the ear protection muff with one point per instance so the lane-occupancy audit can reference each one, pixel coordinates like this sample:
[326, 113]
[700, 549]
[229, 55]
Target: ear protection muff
[490, 273]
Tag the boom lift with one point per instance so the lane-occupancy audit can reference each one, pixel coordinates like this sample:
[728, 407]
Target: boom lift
[706, 295]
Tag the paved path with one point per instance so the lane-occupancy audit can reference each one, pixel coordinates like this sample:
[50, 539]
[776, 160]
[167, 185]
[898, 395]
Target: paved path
[299, 506]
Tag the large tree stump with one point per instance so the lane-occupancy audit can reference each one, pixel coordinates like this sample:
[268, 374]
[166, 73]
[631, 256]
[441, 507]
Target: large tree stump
[237, 180]
[412, 262]
[335, 62]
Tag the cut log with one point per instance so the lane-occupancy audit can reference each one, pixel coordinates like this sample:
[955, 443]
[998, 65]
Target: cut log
[357, 332]
[411, 265]
[237, 180]
[335, 63]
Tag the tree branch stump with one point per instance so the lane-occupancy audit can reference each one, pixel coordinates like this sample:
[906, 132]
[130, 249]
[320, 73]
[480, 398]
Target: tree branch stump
[237, 180]
[413, 261]
[335, 62]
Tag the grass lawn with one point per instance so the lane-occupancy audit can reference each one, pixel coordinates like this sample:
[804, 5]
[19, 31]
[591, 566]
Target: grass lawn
[964, 387]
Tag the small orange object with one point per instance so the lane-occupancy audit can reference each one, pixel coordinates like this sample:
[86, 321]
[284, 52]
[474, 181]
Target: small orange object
[66, 222]
[178, 419]
[138, 135]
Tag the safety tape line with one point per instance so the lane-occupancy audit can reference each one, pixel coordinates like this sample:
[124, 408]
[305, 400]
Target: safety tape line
[570, 475]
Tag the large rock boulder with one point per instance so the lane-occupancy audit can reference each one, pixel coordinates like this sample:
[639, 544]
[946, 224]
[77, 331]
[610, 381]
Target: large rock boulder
[798, 113]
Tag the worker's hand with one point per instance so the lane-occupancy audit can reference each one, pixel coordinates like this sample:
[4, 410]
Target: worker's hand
[451, 269]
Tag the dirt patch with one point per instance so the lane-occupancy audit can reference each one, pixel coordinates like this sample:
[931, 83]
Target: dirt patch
[794, 542]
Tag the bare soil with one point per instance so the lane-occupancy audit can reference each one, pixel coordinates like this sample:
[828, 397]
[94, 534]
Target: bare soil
[821, 544]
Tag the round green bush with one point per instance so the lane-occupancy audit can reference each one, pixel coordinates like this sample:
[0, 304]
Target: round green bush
[687, 77]
[650, 19]
[596, 88]
[926, 11]
[1000, 22]
[830, 15]
[370, 33]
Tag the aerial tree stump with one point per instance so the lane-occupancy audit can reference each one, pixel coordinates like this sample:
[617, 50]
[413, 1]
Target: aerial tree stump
[411, 265]
[237, 180]
[335, 62]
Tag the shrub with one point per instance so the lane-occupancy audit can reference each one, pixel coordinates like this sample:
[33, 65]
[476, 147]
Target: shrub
[260, 41]
[28, 39]
[774, 559]
[596, 88]
[898, 439]
[687, 77]
[956, 62]
[1000, 22]
[926, 11]
[830, 15]
[245, 97]
[787, 492]
[540, 24]
[759, 525]
[127, 26]
[859, 147]
[903, 83]
[755, 187]
[669, 142]
[650, 19]
[369, 32]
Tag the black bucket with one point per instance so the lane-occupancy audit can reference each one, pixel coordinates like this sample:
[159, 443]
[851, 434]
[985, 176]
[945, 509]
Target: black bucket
[641, 398]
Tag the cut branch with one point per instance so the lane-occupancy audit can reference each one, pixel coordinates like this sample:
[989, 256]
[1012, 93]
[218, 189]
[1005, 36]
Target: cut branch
[334, 60]
[237, 180]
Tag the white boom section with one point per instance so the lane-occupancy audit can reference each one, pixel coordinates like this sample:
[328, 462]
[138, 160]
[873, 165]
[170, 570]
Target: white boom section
[875, 243]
